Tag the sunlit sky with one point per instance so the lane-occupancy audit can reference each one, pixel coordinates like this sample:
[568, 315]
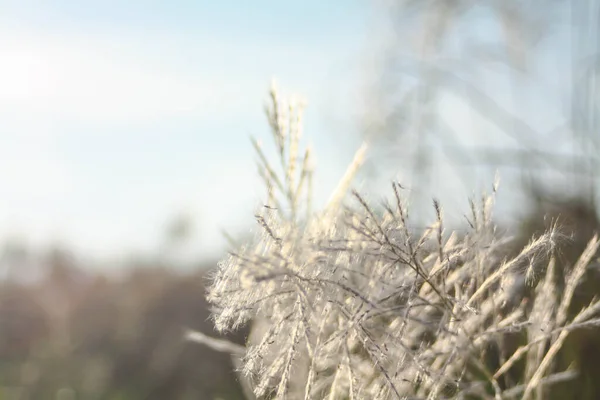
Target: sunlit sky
[118, 115]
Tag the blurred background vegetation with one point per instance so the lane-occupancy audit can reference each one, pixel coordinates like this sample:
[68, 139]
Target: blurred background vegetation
[77, 334]
[453, 91]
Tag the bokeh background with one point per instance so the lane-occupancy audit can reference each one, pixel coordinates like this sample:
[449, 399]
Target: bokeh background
[125, 158]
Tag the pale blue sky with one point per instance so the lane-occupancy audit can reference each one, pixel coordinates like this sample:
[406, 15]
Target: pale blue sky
[116, 115]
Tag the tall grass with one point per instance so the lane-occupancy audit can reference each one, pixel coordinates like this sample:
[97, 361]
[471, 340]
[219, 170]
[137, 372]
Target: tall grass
[353, 302]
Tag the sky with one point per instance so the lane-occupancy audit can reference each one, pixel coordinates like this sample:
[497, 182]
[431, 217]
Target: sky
[118, 116]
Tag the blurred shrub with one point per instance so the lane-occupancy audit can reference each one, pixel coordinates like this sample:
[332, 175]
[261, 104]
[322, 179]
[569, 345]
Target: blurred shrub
[76, 335]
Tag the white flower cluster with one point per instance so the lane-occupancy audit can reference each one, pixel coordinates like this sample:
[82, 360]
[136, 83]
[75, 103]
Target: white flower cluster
[353, 303]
